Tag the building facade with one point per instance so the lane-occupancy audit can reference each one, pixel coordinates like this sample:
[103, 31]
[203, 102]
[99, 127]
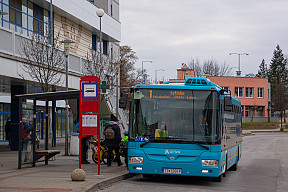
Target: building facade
[184, 72]
[75, 20]
[254, 93]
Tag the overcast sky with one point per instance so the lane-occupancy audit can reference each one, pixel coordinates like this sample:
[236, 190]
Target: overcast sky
[171, 32]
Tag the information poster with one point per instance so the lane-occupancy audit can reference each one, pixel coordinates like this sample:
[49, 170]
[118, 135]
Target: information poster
[89, 120]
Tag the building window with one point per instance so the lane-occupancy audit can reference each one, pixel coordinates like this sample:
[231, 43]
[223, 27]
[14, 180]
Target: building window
[25, 17]
[111, 10]
[105, 47]
[260, 92]
[94, 42]
[238, 91]
[249, 92]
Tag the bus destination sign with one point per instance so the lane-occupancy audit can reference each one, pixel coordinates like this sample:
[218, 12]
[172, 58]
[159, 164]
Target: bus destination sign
[171, 94]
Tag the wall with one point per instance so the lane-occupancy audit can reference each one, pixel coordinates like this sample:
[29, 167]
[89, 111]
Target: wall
[260, 119]
[244, 82]
[188, 73]
[81, 37]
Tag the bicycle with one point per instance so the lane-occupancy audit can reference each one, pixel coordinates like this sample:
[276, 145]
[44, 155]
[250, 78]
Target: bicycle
[103, 152]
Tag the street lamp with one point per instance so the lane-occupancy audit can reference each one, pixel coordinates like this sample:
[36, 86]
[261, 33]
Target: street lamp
[156, 74]
[143, 71]
[66, 53]
[239, 54]
[100, 13]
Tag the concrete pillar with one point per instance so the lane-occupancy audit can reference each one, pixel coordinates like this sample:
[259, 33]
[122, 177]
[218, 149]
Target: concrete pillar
[15, 115]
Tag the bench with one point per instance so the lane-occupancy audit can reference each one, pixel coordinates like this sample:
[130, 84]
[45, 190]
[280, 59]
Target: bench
[47, 154]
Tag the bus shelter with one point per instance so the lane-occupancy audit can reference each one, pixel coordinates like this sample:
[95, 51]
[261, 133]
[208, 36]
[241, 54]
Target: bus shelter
[27, 125]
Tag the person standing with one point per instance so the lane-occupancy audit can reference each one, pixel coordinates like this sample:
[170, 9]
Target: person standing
[112, 139]
[84, 146]
[26, 139]
[8, 130]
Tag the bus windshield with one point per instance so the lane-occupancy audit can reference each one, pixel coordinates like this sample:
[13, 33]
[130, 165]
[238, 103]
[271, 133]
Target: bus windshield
[178, 116]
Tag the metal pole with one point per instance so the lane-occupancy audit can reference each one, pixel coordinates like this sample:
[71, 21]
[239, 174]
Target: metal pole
[142, 73]
[117, 94]
[34, 136]
[46, 129]
[100, 43]
[239, 63]
[51, 23]
[66, 108]
[155, 76]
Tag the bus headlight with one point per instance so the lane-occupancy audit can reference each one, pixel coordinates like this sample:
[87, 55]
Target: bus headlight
[136, 160]
[211, 163]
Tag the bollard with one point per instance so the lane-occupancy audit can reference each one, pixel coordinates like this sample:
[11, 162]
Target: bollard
[78, 175]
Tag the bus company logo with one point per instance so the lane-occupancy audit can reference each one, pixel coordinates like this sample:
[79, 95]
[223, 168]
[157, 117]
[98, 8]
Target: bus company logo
[167, 152]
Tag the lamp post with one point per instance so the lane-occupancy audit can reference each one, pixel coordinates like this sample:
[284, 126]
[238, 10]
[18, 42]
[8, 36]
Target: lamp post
[100, 13]
[143, 70]
[66, 52]
[156, 74]
[239, 54]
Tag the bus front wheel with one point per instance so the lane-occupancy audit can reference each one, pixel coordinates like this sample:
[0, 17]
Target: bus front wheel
[147, 175]
[217, 179]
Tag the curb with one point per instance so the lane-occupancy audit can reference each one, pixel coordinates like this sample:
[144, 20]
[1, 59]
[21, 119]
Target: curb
[107, 182]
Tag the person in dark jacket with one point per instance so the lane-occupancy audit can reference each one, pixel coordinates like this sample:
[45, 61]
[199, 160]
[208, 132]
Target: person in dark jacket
[113, 144]
[8, 130]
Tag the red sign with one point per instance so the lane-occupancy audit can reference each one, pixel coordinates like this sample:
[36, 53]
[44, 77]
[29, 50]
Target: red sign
[89, 111]
[89, 105]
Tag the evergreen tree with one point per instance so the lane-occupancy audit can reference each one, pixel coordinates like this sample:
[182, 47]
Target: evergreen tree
[278, 69]
[277, 76]
[262, 72]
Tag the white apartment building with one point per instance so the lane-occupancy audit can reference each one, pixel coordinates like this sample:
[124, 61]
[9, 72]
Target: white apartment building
[75, 20]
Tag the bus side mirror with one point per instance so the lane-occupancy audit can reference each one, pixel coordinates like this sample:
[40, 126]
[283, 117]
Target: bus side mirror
[123, 101]
[227, 103]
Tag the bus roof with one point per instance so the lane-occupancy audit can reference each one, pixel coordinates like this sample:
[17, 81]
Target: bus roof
[189, 83]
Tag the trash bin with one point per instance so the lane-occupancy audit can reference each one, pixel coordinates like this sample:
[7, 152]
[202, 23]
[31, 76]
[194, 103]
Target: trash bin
[74, 144]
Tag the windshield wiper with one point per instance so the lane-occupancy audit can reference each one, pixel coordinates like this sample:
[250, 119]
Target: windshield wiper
[146, 142]
[207, 148]
[174, 140]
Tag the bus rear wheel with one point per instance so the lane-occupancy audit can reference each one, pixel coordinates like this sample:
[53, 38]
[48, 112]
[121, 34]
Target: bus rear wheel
[234, 167]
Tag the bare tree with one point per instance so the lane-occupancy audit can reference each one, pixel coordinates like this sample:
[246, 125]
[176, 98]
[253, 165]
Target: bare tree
[195, 65]
[225, 70]
[210, 67]
[105, 70]
[42, 61]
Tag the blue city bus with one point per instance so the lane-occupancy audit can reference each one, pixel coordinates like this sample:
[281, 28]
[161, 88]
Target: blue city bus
[189, 128]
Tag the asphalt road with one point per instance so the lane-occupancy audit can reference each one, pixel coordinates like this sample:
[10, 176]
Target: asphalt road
[263, 167]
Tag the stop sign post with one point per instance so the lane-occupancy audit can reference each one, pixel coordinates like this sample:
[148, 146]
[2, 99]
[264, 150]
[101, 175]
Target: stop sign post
[89, 123]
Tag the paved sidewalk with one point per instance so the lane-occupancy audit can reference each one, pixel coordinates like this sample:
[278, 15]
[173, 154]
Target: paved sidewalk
[56, 176]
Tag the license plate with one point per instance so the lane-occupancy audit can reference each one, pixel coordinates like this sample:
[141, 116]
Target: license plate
[172, 171]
